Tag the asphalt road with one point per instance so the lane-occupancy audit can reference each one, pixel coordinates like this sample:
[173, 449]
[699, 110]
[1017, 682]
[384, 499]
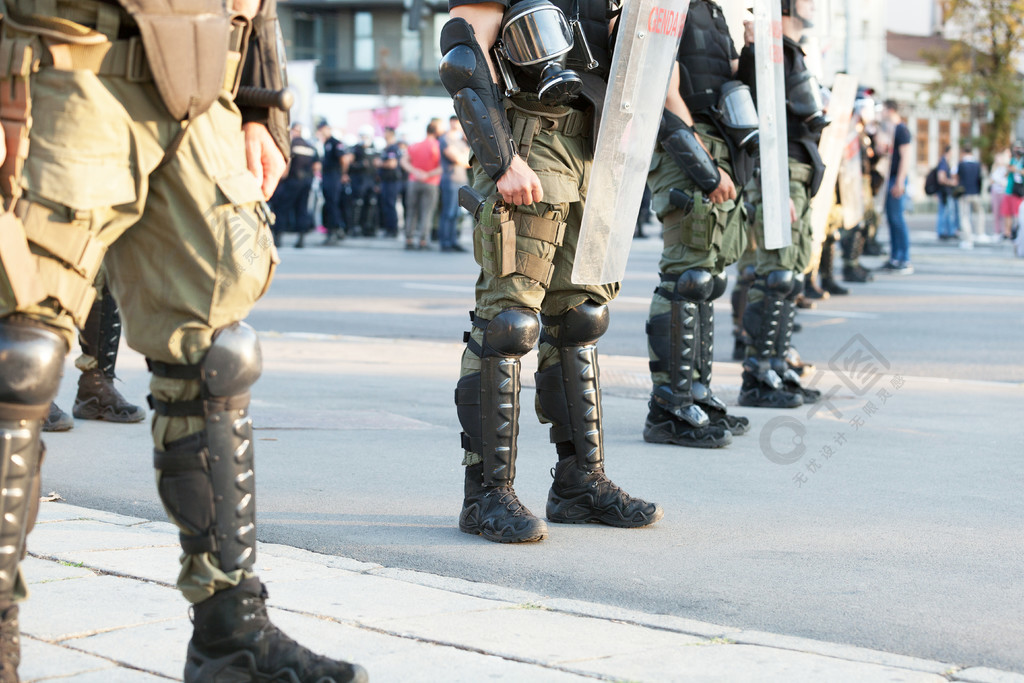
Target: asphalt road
[908, 539]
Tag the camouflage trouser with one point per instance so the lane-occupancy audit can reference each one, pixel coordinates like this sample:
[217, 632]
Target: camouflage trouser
[555, 142]
[797, 256]
[709, 236]
[171, 211]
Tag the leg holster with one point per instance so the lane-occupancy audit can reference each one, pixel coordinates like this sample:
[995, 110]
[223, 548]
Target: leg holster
[488, 401]
[33, 361]
[674, 339]
[101, 335]
[206, 480]
[706, 346]
[569, 392]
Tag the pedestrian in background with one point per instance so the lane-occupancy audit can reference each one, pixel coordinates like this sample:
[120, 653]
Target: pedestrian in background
[330, 182]
[291, 200]
[896, 192]
[997, 188]
[1014, 191]
[946, 221]
[971, 211]
[454, 167]
[423, 164]
[362, 173]
[390, 174]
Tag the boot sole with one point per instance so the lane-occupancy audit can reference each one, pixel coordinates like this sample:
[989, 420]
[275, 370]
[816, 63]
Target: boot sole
[673, 440]
[577, 511]
[538, 534]
[240, 667]
[87, 412]
[749, 402]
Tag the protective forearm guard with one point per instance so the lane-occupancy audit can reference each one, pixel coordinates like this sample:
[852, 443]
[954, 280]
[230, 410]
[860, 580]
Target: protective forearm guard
[467, 78]
[680, 142]
[265, 68]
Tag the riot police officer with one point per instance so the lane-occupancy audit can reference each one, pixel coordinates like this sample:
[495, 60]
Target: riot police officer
[778, 273]
[532, 156]
[139, 161]
[708, 130]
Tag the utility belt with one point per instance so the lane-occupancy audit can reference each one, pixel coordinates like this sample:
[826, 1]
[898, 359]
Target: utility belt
[801, 173]
[184, 54]
[528, 117]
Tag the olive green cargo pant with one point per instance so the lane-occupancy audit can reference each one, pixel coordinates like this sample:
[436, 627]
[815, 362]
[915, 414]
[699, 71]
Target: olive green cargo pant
[555, 142]
[173, 213]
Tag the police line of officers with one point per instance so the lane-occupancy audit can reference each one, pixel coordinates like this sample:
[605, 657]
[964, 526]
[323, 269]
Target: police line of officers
[155, 140]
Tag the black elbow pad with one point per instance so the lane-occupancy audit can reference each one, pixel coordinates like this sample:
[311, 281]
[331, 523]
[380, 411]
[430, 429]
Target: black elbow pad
[680, 142]
[465, 75]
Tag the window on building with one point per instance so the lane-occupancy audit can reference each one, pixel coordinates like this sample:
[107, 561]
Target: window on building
[365, 59]
[965, 133]
[410, 47]
[922, 141]
[944, 136]
[328, 45]
[305, 37]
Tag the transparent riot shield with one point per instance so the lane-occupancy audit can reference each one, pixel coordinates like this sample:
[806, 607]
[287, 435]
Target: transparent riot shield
[830, 147]
[771, 113]
[645, 50]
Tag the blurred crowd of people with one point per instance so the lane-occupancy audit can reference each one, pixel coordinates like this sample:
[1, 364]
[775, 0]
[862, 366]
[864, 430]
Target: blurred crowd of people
[374, 186]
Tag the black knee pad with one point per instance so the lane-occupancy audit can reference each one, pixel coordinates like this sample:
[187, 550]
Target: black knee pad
[512, 333]
[695, 285]
[33, 362]
[581, 325]
[233, 362]
[718, 286]
[780, 283]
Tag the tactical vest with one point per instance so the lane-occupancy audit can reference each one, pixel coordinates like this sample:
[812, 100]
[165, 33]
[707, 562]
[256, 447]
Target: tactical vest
[705, 56]
[593, 15]
[798, 133]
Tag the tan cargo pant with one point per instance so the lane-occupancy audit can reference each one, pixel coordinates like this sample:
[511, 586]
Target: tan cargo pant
[174, 211]
[555, 142]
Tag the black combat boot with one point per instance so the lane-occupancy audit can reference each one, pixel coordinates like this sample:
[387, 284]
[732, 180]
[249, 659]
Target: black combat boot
[679, 342]
[495, 512]
[579, 496]
[97, 397]
[10, 645]
[234, 640]
[57, 420]
[763, 320]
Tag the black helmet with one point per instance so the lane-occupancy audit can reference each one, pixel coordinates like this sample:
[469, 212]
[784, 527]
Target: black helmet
[789, 10]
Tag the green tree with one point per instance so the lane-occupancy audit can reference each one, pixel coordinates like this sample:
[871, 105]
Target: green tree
[982, 66]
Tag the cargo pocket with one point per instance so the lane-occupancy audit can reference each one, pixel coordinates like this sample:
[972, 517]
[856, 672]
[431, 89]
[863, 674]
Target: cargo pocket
[247, 253]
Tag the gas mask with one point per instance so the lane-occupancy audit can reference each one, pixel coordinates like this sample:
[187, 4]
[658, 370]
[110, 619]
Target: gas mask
[536, 39]
[737, 114]
[804, 100]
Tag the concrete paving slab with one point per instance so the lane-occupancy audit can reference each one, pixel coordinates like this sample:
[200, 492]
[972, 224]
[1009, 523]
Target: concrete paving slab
[474, 588]
[662, 621]
[983, 674]
[159, 647]
[531, 634]
[45, 571]
[360, 598]
[72, 536]
[729, 663]
[390, 659]
[79, 607]
[42, 661]
[277, 550]
[157, 563]
[858, 654]
[63, 512]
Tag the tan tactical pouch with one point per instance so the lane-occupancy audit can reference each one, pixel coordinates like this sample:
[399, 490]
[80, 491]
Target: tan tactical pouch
[186, 44]
[495, 243]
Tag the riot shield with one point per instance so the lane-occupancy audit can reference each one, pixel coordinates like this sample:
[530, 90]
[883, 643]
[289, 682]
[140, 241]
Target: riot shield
[771, 113]
[645, 50]
[830, 147]
[851, 182]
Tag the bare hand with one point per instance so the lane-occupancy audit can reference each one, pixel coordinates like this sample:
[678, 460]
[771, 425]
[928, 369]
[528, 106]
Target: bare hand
[263, 157]
[725, 191]
[247, 8]
[748, 33]
[792, 211]
[897, 190]
[520, 185]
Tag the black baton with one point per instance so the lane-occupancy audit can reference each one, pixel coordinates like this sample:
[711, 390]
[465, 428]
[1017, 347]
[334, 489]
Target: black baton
[251, 96]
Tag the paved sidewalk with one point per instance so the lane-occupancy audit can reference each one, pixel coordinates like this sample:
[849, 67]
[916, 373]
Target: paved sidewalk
[104, 610]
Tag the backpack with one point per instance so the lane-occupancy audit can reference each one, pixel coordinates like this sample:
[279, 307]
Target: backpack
[931, 182]
[1018, 184]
